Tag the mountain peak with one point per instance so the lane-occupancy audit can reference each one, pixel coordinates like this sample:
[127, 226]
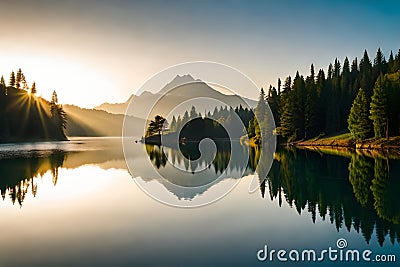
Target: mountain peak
[177, 81]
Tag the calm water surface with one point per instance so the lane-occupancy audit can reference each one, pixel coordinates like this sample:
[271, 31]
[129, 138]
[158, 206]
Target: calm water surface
[75, 204]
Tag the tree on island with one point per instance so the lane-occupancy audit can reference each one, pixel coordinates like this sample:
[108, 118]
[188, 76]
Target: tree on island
[157, 125]
[359, 122]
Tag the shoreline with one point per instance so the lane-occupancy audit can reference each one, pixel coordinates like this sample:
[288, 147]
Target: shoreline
[344, 141]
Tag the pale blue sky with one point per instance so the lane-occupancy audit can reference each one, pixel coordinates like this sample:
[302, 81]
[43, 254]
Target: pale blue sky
[111, 47]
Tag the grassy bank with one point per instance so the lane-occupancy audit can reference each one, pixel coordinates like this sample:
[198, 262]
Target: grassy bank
[347, 141]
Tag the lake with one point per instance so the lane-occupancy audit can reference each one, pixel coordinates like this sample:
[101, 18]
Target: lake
[76, 204]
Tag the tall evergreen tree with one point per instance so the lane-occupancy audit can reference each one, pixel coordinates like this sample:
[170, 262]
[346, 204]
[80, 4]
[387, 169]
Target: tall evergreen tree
[18, 79]
[287, 128]
[193, 113]
[366, 81]
[287, 85]
[3, 87]
[58, 115]
[260, 117]
[172, 126]
[379, 109]
[273, 102]
[12, 79]
[279, 86]
[359, 123]
[310, 118]
[33, 88]
[391, 63]
[261, 108]
[379, 64]
[396, 63]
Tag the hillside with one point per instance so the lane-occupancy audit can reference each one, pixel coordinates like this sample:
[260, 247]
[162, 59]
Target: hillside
[26, 117]
[90, 122]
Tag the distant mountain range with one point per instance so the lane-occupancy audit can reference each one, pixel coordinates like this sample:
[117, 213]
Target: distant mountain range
[107, 119]
[180, 89]
[91, 122]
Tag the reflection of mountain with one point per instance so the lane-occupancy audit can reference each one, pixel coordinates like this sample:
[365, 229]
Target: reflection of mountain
[320, 184]
[196, 88]
[186, 178]
[90, 122]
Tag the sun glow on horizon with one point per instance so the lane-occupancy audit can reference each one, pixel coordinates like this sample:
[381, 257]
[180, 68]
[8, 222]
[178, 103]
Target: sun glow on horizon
[75, 82]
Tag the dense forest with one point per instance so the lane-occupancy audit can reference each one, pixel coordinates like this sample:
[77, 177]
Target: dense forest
[360, 97]
[24, 116]
[194, 126]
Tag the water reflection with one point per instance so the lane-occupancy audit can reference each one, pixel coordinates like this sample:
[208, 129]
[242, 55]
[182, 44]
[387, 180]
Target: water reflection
[22, 165]
[18, 175]
[353, 191]
[360, 195]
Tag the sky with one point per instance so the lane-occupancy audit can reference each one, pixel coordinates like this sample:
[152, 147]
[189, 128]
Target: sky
[92, 52]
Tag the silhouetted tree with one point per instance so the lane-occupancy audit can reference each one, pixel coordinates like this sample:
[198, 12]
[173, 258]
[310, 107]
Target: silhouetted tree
[33, 88]
[156, 126]
[18, 79]
[2, 82]
[12, 79]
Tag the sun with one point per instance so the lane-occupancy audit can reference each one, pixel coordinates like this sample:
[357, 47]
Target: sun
[76, 82]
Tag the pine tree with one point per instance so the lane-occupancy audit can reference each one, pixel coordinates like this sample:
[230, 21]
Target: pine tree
[359, 123]
[58, 115]
[193, 113]
[379, 64]
[261, 107]
[391, 64]
[18, 79]
[379, 109]
[260, 116]
[287, 127]
[287, 85]
[185, 118]
[300, 95]
[33, 88]
[157, 125]
[12, 79]
[396, 63]
[179, 123]
[273, 102]
[173, 124]
[2, 82]
[3, 86]
[366, 81]
[279, 86]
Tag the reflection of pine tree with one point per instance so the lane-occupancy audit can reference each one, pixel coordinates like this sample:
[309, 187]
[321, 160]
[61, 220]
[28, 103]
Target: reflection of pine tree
[360, 177]
[299, 178]
[19, 174]
[157, 156]
[385, 191]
